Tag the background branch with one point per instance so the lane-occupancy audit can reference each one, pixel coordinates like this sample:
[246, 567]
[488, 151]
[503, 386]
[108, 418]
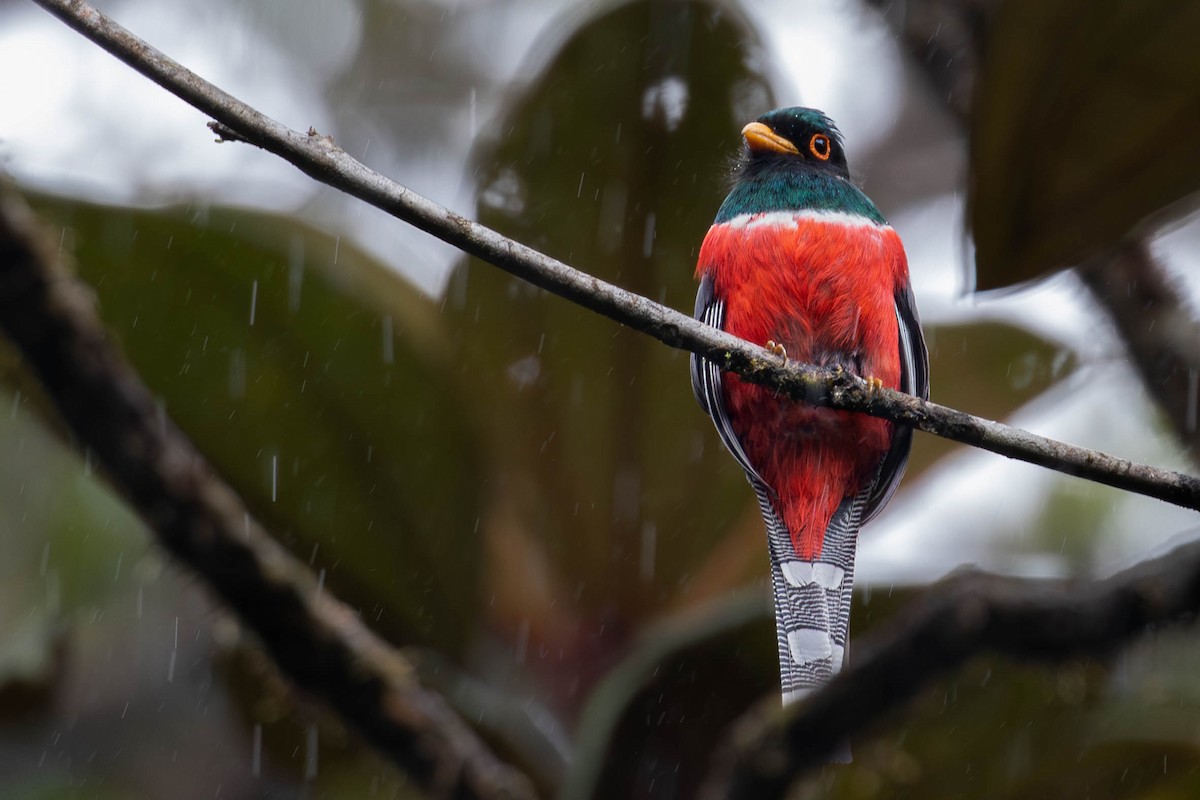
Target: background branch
[1156, 323]
[320, 158]
[320, 643]
[960, 617]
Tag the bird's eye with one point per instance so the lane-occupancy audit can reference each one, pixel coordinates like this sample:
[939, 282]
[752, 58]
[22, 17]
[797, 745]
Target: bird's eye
[818, 145]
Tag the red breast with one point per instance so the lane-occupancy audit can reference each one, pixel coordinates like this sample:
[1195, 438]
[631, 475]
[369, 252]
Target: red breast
[823, 285]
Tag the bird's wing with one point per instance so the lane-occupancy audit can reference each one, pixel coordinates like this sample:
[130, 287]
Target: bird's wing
[914, 379]
[712, 313]
[707, 381]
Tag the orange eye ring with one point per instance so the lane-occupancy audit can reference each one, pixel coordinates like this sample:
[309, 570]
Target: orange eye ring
[820, 147]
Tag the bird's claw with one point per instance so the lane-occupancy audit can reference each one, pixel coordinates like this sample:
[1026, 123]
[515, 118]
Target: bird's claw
[873, 384]
[777, 349]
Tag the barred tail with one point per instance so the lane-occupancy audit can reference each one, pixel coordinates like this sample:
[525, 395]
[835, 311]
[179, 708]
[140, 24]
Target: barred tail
[812, 600]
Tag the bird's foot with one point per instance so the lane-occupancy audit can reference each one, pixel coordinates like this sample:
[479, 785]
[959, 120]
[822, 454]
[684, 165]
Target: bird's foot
[777, 349]
[873, 384]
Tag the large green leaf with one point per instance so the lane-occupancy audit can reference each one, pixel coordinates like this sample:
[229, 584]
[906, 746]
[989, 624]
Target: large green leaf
[615, 160]
[312, 378]
[1084, 126]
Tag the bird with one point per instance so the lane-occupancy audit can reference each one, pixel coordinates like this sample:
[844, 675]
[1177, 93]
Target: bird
[800, 260]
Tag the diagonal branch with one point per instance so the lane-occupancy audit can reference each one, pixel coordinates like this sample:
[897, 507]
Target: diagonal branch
[321, 644]
[320, 158]
[961, 617]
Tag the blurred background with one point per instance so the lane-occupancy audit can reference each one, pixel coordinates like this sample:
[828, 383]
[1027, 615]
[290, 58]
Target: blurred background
[523, 495]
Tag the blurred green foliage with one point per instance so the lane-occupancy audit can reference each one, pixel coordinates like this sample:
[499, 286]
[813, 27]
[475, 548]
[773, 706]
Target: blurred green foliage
[596, 447]
[514, 484]
[312, 379]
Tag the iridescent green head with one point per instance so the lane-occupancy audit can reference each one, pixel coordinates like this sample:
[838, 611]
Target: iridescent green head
[796, 138]
[793, 160]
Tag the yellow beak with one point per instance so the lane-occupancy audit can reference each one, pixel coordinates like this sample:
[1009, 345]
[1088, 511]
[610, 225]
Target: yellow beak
[760, 137]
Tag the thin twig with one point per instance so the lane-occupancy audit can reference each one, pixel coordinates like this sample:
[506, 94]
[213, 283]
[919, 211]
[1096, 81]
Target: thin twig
[227, 134]
[318, 157]
[320, 643]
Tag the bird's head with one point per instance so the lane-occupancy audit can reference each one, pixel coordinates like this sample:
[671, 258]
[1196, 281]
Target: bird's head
[794, 138]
